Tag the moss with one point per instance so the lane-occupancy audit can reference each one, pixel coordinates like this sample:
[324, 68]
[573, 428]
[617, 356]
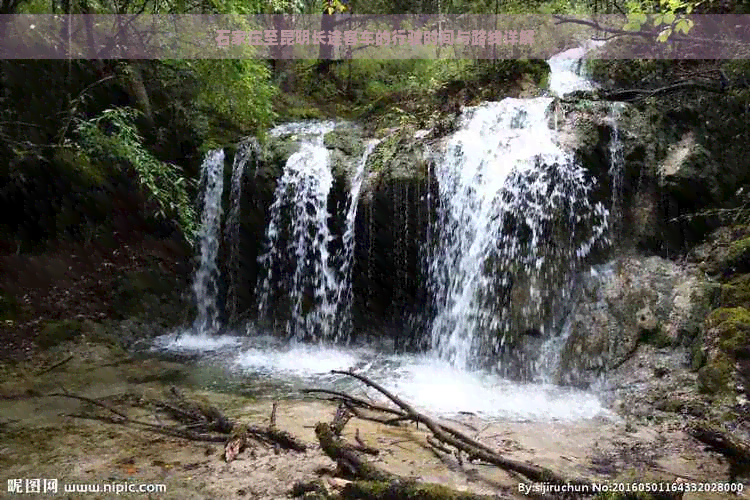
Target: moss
[383, 153]
[670, 405]
[345, 140]
[736, 293]
[398, 156]
[404, 490]
[304, 113]
[313, 490]
[315, 496]
[77, 165]
[56, 332]
[738, 254]
[697, 354]
[732, 326]
[277, 150]
[657, 338]
[716, 376]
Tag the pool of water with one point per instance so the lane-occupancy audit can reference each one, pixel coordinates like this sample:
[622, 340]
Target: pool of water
[264, 366]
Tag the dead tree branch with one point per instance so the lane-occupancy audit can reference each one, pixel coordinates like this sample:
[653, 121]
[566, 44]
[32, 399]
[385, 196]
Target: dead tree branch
[473, 448]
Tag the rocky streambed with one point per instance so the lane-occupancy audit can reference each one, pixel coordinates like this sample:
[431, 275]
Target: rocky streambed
[49, 437]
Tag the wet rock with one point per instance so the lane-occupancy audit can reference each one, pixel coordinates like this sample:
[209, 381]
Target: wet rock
[347, 139]
[687, 171]
[716, 376]
[646, 320]
[632, 301]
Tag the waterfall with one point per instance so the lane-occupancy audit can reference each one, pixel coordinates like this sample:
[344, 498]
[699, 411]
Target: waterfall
[319, 288]
[344, 296]
[616, 165]
[205, 284]
[514, 222]
[246, 152]
[301, 199]
[566, 70]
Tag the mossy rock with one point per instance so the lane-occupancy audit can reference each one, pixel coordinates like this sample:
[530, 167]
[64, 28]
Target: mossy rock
[314, 490]
[398, 156]
[404, 490]
[315, 496]
[738, 255]
[670, 405]
[76, 164]
[680, 405]
[732, 326]
[346, 140]
[716, 376]
[277, 151]
[56, 332]
[697, 354]
[736, 293]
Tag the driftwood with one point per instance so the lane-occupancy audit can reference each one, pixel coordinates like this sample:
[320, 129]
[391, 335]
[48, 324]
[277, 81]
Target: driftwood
[370, 482]
[347, 457]
[199, 421]
[55, 366]
[466, 444]
[735, 449]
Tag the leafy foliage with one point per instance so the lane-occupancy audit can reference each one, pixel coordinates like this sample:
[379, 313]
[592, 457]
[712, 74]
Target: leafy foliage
[671, 15]
[240, 90]
[113, 137]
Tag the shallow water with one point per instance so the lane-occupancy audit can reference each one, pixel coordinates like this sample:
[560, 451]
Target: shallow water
[264, 366]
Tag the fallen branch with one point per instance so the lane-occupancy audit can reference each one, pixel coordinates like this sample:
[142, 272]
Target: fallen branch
[242, 434]
[212, 426]
[347, 457]
[735, 449]
[473, 448]
[364, 447]
[167, 431]
[341, 396]
[55, 366]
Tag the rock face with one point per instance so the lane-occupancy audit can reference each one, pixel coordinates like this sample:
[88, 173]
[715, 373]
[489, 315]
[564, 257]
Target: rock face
[392, 229]
[667, 172]
[629, 302]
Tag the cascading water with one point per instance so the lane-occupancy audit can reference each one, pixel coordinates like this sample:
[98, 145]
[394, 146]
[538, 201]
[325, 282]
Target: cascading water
[567, 67]
[320, 289]
[205, 284]
[344, 289]
[513, 204]
[616, 164]
[247, 152]
[301, 197]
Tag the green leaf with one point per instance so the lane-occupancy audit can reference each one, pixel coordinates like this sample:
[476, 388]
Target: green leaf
[658, 19]
[631, 26]
[664, 35]
[683, 25]
[669, 18]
